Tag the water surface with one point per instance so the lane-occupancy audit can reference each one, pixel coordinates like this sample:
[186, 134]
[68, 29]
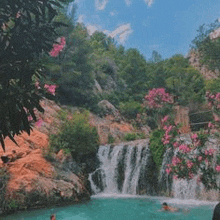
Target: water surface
[119, 209]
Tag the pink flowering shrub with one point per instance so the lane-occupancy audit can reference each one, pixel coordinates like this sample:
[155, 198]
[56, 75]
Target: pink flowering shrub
[157, 98]
[57, 48]
[170, 131]
[189, 160]
[195, 159]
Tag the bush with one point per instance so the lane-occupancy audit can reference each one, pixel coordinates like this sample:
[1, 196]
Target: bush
[76, 136]
[110, 139]
[134, 136]
[130, 109]
[156, 147]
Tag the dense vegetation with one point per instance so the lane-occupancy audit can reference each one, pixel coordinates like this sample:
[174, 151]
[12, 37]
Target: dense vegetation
[75, 136]
[93, 68]
[39, 54]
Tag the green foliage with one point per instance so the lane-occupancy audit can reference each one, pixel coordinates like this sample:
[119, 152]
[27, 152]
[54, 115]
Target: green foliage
[130, 109]
[133, 70]
[110, 139]
[134, 136]
[183, 81]
[27, 30]
[76, 135]
[207, 48]
[156, 57]
[156, 147]
[212, 85]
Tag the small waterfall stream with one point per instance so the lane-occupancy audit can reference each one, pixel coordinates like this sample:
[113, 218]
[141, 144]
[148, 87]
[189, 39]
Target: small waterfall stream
[121, 168]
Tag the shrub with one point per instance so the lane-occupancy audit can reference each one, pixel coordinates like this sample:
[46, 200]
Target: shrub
[156, 147]
[130, 109]
[110, 139]
[134, 136]
[76, 135]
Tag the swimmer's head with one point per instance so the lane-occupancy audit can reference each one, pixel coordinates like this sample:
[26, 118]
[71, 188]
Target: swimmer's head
[164, 204]
[52, 217]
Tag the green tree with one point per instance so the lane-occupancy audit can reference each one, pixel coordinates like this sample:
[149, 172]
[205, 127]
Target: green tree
[27, 29]
[208, 46]
[77, 136]
[134, 71]
[156, 57]
[183, 81]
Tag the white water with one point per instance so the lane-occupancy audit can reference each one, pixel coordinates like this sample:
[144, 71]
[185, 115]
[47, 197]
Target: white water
[131, 159]
[122, 167]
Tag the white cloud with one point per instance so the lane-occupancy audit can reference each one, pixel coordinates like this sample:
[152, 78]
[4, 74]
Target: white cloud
[128, 2]
[101, 4]
[113, 13]
[149, 2]
[81, 18]
[121, 33]
[92, 29]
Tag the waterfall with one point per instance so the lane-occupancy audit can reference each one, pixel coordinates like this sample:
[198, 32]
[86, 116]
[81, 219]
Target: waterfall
[127, 168]
[121, 167]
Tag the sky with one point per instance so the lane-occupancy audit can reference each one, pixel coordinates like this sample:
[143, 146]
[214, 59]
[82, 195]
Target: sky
[167, 26]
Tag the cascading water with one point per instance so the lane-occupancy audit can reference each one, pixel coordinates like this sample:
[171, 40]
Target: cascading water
[121, 168]
[127, 168]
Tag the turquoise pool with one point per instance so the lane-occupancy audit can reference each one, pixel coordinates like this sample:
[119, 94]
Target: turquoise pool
[119, 209]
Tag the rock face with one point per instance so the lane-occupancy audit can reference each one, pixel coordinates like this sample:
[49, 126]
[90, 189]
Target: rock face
[208, 74]
[33, 180]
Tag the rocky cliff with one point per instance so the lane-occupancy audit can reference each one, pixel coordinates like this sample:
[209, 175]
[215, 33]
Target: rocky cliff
[31, 178]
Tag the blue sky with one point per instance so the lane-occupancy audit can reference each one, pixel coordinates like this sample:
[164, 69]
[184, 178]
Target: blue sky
[167, 26]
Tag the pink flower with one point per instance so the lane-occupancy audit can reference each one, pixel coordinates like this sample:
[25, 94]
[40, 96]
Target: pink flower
[217, 96]
[168, 170]
[58, 47]
[165, 127]
[209, 152]
[210, 125]
[30, 118]
[217, 168]
[184, 148]
[175, 177]
[176, 161]
[166, 142]
[165, 119]
[50, 88]
[189, 164]
[39, 123]
[199, 158]
[194, 136]
[176, 144]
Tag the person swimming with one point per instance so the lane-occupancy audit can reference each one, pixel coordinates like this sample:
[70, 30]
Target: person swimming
[52, 217]
[166, 207]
